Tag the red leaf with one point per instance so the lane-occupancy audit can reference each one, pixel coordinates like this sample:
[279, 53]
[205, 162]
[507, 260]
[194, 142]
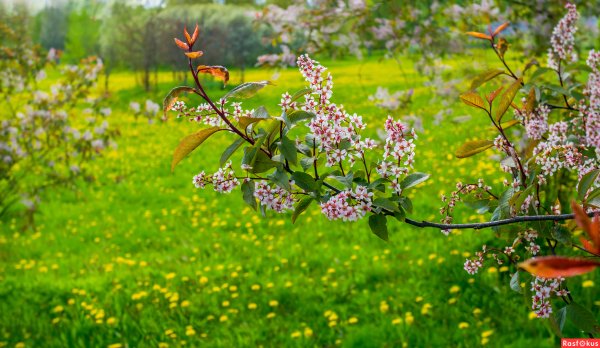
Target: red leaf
[558, 266]
[500, 28]
[188, 38]
[182, 44]
[195, 34]
[592, 228]
[479, 35]
[194, 55]
[216, 71]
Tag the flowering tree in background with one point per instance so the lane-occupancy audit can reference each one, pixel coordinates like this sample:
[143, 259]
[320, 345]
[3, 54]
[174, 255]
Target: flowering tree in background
[42, 141]
[318, 153]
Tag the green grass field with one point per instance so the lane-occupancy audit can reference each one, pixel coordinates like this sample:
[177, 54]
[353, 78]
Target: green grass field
[139, 258]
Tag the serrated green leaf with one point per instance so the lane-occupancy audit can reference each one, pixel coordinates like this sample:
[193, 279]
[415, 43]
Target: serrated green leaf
[171, 98]
[386, 204]
[280, 178]
[246, 90]
[507, 98]
[230, 150]
[248, 194]
[190, 143]
[582, 318]
[301, 93]
[485, 77]
[473, 99]
[413, 180]
[287, 147]
[586, 182]
[473, 147]
[300, 208]
[299, 115]
[304, 181]
[378, 225]
[515, 285]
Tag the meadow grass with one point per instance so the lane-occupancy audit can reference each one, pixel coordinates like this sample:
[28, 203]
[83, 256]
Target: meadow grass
[137, 257]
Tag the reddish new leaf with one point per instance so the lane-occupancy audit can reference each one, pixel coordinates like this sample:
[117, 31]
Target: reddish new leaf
[558, 266]
[182, 44]
[494, 94]
[188, 38]
[479, 35]
[216, 71]
[195, 34]
[592, 228]
[194, 55]
[500, 28]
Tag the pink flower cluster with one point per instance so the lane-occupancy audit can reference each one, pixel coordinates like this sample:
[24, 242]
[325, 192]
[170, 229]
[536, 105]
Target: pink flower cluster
[591, 113]
[479, 190]
[348, 205]
[223, 181]
[542, 290]
[536, 123]
[556, 152]
[274, 197]
[399, 152]
[336, 132]
[563, 38]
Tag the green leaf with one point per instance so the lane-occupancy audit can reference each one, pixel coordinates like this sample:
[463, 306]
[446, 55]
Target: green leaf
[190, 143]
[515, 285]
[386, 204]
[507, 98]
[246, 90]
[508, 124]
[481, 206]
[230, 150]
[473, 147]
[539, 72]
[345, 180]
[262, 163]
[248, 194]
[485, 77]
[406, 204]
[561, 234]
[280, 178]
[519, 198]
[304, 181]
[561, 318]
[473, 99]
[400, 215]
[299, 115]
[558, 89]
[413, 180]
[261, 112]
[586, 183]
[301, 207]
[288, 150]
[301, 93]
[582, 318]
[171, 98]
[378, 225]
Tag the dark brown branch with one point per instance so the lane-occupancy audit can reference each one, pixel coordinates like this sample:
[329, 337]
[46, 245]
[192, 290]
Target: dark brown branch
[478, 226]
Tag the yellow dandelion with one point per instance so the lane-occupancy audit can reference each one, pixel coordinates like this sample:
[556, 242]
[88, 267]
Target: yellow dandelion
[587, 284]
[419, 299]
[476, 311]
[255, 287]
[532, 315]
[225, 304]
[111, 321]
[296, 334]
[171, 275]
[273, 303]
[114, 345]
[397, 321]
[485, 341]
[203, 280]
[308, 332]
[185, 303]
[463, 325]
[58, 309]
[384, 307]
[487, 333]
[425, 309]
[271, 315]
[408, 318]
[454, 289]
[352, 320]
[252, 306]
